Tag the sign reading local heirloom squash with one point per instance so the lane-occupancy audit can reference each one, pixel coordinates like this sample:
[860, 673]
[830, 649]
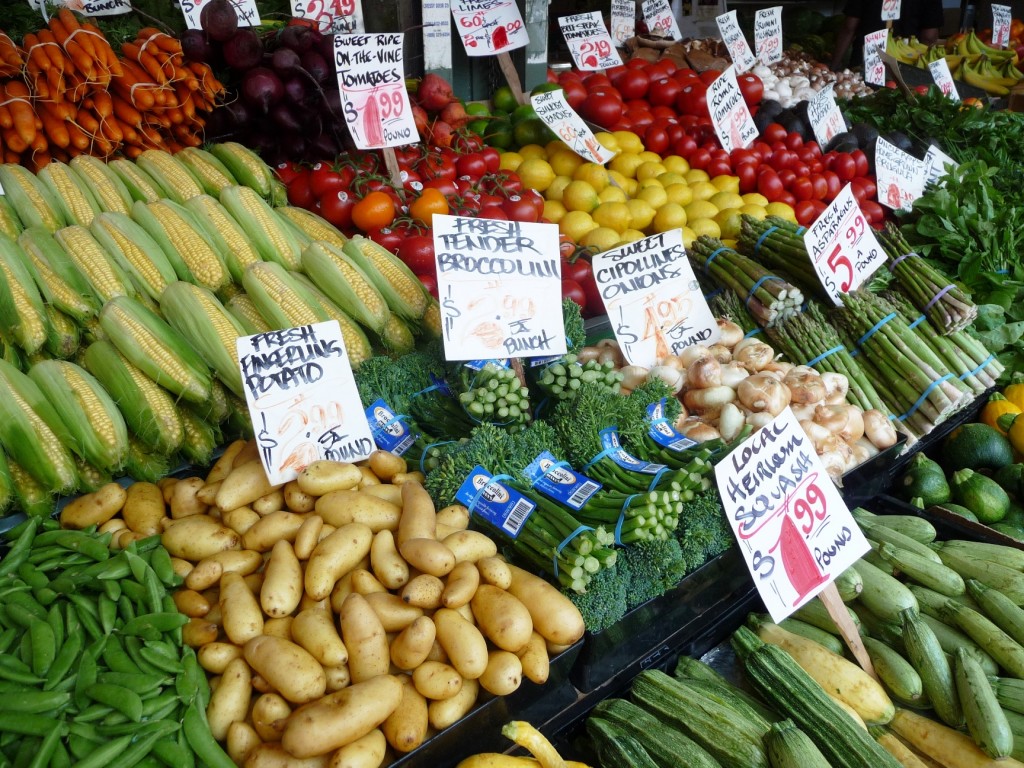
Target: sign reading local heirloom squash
[589, 42]
[768, 34]
[794, 530]
[874, 67]
[554, 110]
[371, 78]
[729, 114]
[248, 13]
[623, 20]
[824, 115]
[943, 78]
[343, 17]
[488, 27]
[735, 41]
[660, 20]
[652, 299]
[302, 399]
[500, 287]
[900, 177]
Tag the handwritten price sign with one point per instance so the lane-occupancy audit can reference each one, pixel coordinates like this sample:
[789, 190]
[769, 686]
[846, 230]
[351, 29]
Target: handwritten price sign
[944, 78]
[488, 27]
[554, 110]
[371, 77]
[824, 115]
[900, 177]
[248, 13]
[891, 10]
[793, 528]
[1001, 18]
[842, 246]
[660, 20]
[734, 39]
[768, 34]
[729, 114]
[623, 20]
[938, 164]
[589, 42]
[343, 17]
[874, 67]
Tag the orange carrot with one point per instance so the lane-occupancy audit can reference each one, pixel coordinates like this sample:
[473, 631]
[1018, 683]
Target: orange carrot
[16, 95]
[83, 59]
[79, 138]
[13, 141]
[111, 128]
[125, 112]
[53, 50]
[146, 60]
[55, 129]
[103, 103]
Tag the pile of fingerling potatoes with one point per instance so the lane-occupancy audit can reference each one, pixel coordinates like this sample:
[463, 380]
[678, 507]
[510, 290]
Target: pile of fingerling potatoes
[341, 618]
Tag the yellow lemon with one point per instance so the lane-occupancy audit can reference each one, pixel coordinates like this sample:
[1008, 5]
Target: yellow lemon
[600, 239]
[592, 173]
[730, 243]
[576, 224]
[631, 236]
[612, 194]
[705, 227]
[649, 156]
[670, 177]
[509, 161]
[728, 220]
[722, 200]
[649, 170]
[679, 193]
[755, 198]
[696, 174]
[630, 187]
[536, 173]
[688, 237]
[616, 216]
[676, 164]
[557, 145]
[628, 141]
[641, 212]
[727, 183]
[651, 181]
[554, 211]
[757, 211]
[533, 150]
[701, 209]
[669, 216]
[580, 196]
[616, 178]
[654, 194]
[608, 141]
[625, 163]
[781, 210]
[565, 162]
[703, 190]
[557, 187]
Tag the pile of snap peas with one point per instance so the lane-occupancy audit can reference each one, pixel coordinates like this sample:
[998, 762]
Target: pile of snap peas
[93, 672]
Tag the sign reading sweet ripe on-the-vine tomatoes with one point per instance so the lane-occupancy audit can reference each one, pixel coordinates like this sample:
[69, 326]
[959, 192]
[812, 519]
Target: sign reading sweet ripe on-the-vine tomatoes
[248, 13]
[795, 531]
[554, 110]
[589, 42]
[729, 114]
[343, 17]
[488, 27]
[371, 77]
[842, 246]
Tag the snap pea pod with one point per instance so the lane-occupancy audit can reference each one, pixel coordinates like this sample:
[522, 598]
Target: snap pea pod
[21, 548]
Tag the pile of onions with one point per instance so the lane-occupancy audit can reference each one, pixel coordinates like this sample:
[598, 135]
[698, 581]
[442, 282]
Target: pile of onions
[739, 381]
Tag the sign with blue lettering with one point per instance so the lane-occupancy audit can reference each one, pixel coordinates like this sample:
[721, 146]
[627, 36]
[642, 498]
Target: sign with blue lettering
[302, 399]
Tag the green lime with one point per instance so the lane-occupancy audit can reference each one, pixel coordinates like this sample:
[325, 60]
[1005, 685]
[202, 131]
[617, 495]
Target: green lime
[504, 99]
[545, 87]
[479, 127]
[531, 131]
[477, 109]
[524, 112]
[499, 134]
[495, 112]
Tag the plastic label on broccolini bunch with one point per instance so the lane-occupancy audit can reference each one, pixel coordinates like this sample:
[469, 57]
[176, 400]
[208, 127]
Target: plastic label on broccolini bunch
[479, 365]
[502, 507]
[613, 449]
[558, 481]
[389, 431]
[663, 433]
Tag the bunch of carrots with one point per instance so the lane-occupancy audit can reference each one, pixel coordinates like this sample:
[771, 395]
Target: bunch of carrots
[65, 92]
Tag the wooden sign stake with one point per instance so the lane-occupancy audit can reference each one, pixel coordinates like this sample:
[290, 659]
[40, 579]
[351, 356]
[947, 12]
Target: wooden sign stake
[391, 163]
[508, 69]
[837, 610]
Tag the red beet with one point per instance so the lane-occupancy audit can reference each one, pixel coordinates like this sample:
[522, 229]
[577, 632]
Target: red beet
[434, 93]
[219, 19]
[455, 115]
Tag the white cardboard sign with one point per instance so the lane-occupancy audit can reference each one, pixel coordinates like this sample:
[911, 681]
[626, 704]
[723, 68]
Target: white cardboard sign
[302, 399]
[824, 115]
[652, 298]
[900, 177]
[248, 13]
[1001, 19]
[589, 42]
[891, 10]
[500, 284]
[371, 77]
[554, 110]
[437, 34]
[842, 246]
[734, 39]
[874, 67]
[343, 17]
[623, 20]
[99, 7]
[660, 20]
[729, 114]
[768, 34]
[488, 27]
[794, 530]
[944, 78]
[936, 161]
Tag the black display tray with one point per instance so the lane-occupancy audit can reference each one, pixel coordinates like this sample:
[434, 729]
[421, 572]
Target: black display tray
[874, 476]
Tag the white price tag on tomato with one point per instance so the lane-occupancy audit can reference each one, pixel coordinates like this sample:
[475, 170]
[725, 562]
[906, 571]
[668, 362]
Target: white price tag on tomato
[874, 67]
[342, 17]
[944, 78]
[794, 530]
[729, 114]
[768, 34]
[1002, 17]
[891, 10]
[248, 13]
[371, 77]
[660, 20]
[900, 177]
[735, 41]
[488, 27]
[824, 115]
[589, 42]
[623, 20]
[842, 246]
[554, 110]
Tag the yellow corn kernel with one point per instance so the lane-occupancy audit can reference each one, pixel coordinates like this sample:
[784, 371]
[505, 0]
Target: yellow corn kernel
[32, 325]
[198, 254]
[76, 201]
[93, 261]
[356, 344]
[207, 169]
[397, 336]
[217, 407]
[64, 334]
[33, 497]
[56, 290]
[10, 224]
[171, 174]
[91, 478]
[404, 292]
[316, 227]
[90, 404]
[270, 235]
[245, 165]
[279, 299]
[236, 245]
[57, 465]
[30, 198]
[245, 312]
[109, 190]
[431, 321]
[155, 280]
[140, 184]
[201, 438]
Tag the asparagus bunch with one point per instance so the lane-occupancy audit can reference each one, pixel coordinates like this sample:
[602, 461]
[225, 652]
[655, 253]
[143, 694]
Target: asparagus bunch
[808, 338]
[768, 298]
[915, 382]
[777, 243]
[728, 305]
[947, 306]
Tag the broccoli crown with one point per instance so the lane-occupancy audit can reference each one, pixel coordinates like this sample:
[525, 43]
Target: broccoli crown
[604, 602]
[634, 424]
[579, 420]
[397, 380]
[655, 566]
[703, 532]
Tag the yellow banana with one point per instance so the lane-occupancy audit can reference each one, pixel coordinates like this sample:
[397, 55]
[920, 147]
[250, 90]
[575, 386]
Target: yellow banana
[973, 76]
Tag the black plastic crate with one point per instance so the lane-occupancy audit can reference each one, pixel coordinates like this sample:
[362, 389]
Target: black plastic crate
[948, 525]
[873, 477]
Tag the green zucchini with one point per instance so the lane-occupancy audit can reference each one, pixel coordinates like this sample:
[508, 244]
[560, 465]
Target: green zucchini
[880, 533]
[1016, 722]
[1007, 580]
[897, 674]
[1011, 557]
[689, 668]
[924, 571]
[888, 632]
[1009, 692]
[815, 613]
[729, 695]
[1007, 652]
[811, 632]
[734, 741]
[617, 748]
[985, 719]
[789, 747]
[697, 672]
[929, 602]
[911, 526]
[793, 693]
[951, 638]
[927, 657]
[1005, 613]
[849, 585]
[883, 594]
[666, 745]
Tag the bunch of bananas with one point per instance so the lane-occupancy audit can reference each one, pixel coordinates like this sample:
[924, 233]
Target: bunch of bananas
[993, 70]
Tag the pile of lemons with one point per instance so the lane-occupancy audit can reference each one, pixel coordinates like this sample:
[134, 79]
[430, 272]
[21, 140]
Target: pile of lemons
[639, 193]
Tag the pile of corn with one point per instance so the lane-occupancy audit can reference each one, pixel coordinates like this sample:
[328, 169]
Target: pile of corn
[123, 290]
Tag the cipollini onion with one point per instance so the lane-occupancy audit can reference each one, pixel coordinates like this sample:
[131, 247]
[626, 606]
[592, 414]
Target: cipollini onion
[763, 393]
[805, 385]
[672, 377]
[708, 403]
[704, 372]
[633, 376]
[730, 422]
[731, 333]
[698, 430]
[878, 429]
[733, 374]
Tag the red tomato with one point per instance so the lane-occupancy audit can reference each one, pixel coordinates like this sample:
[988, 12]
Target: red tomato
[820, 186]
[447, 187]
[535, 198]
[700, 159]
[640, 119]
[299, 193]
[418, 254]
[337, 207]
[602, 108]
[845, 167]
[566, 246]
[742, 156]
[675, 131]
[747, 174]
[661, 68]
[518, 208]
[802, 188]
[595, 79]
[637, 63]
[578, 270]
[685, 147]
[774, 132]
[708, 76]
[323, 178]
[762, 149]
[656, 138]
[685, 75]
[633, 83]
[787, 198]
[288, 171]
[835, 186]
[493, 212]
[787, 177]
[861, 160]
[752, 88]
[493, 158]
[430, 283]
[872, 211]
[769, 184]
[807, 211]
[473, 165]
[575, 93]
[387, 237]
[573, 290]
[719, 167]
[794, 140]
[809, 152]
[663, 91]
[693, 99]
[870, 189]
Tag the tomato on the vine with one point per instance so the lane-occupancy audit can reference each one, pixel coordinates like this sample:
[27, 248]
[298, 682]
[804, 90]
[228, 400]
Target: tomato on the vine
[573, 290]
[337, 208]
[446, 187]
[518, 208]
[374, 211]
[493, 159]
[386, 237]
[417, 252]
[288, 171]
[430, 202]
[299, 193]
[324, 178]
[493, 211]
[473, 165]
